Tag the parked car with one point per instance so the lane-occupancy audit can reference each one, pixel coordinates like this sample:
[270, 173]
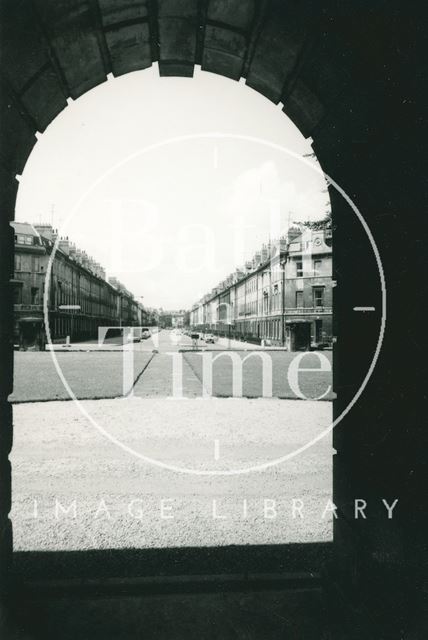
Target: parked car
[320, 346]
[145, 333]
[133, 335]
[209, 338]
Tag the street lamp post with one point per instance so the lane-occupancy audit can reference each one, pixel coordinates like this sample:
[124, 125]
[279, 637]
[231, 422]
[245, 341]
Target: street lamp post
[141, 298]
[229, 324]
[283, 303]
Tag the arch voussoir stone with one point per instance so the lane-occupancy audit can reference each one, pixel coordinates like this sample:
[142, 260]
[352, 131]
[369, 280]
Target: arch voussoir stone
[70, 28]
[28, 65]
[224, 51]
[178, 29]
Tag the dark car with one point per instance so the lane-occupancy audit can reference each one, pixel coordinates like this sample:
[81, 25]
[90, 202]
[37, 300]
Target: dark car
[145, 333]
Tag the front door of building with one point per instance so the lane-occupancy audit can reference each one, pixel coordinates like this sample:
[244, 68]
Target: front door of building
[30, 335]
[300, 336]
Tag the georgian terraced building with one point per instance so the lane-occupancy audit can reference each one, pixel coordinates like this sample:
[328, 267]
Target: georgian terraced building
[75, 280]
[283, 296]
[172, 319]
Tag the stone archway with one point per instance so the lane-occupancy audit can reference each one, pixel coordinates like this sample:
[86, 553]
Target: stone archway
[331, 69]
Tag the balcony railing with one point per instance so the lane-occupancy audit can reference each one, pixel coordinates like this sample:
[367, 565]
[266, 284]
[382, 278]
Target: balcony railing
[298, 311]
[28, 307]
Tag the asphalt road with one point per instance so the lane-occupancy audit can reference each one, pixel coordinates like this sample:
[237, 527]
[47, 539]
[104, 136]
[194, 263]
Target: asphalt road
[92, 373]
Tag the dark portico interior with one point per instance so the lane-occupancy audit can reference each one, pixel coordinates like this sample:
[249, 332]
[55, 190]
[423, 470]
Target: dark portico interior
[349, 75]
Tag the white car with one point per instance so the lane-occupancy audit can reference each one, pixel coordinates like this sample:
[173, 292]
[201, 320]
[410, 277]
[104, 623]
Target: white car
[209, 338]
[145, 333]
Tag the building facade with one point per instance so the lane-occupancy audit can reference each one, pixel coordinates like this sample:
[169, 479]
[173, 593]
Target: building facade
[171, 319]
[75, 281]
[282, 297]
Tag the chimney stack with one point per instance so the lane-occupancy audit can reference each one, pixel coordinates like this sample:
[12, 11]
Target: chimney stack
[64, 245]
[46, 231]
[264, 253]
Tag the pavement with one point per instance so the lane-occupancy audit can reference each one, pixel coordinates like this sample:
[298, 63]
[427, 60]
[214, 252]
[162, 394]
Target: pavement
[156, 470]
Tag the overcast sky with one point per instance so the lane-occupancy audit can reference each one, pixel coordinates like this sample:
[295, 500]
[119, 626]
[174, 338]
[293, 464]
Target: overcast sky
[170, 218]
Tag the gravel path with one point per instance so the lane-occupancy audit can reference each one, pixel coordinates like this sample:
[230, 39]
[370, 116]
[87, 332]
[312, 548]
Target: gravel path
[121, 501]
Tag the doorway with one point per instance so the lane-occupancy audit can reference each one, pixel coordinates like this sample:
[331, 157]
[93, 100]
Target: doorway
[300, 336]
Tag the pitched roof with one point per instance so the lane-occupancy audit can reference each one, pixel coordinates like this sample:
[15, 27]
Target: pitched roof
[25, 228]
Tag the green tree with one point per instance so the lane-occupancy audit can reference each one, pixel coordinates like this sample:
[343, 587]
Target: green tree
[318, 225]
